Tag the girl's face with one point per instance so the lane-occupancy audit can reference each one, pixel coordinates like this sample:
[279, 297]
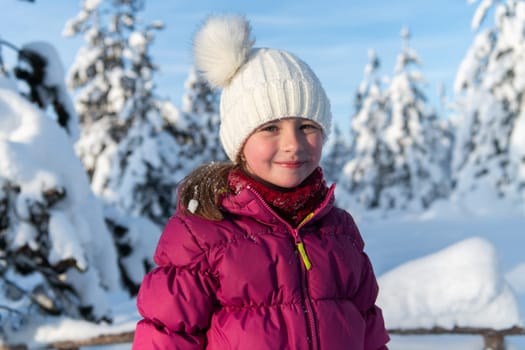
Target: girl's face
[283, 152]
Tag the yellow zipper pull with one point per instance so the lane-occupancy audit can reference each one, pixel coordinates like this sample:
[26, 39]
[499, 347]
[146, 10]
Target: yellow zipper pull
[307, 217]
[302, 251]
[300, 245]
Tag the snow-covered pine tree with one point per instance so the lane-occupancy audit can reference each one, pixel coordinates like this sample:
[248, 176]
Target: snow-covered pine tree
[369, 158]
[336, 156]
[489, 153]
[131, 141]
[56, 254]
[419, 146]
[200, 109]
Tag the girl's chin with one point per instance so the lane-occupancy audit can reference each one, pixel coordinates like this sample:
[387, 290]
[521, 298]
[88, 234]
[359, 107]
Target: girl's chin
[283, 183]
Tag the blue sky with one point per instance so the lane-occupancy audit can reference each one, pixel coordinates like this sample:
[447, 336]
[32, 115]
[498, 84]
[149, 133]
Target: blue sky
[333, 36]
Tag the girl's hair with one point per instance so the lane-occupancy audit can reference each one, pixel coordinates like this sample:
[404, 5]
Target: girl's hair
[204, 185]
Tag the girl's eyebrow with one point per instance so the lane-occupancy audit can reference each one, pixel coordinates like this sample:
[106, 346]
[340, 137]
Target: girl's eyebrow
[269, 123]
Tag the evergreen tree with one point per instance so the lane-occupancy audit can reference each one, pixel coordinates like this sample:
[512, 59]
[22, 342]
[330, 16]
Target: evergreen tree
[56, 254]
[369, 159]
[401, 152]
[336, 157]
[132, 143]
[489, 155]
[200, 108]
[417, 174]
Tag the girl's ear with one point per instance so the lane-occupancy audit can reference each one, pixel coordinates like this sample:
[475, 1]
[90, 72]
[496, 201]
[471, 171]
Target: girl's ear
[241, 159]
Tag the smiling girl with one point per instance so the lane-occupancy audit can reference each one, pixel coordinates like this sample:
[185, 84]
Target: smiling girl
[257, 256]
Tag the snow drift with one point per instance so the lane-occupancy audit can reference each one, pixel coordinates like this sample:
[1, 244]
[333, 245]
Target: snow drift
[459, 286]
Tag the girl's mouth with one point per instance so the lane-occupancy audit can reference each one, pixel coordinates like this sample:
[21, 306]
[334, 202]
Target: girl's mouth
[291, 165]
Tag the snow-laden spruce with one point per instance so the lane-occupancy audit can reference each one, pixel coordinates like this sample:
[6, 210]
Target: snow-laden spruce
[133, 144]
[57, 254]
[400, 155]
[200, 114]
[336, 153]
[489, 155]
[361, 175]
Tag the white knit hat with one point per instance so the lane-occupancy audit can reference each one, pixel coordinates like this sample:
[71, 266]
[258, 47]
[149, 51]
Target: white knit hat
[259, 84]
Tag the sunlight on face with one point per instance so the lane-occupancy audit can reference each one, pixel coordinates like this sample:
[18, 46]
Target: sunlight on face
[284, 152]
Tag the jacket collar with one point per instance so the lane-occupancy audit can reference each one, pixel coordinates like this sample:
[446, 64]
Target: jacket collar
[293, 204]
[248, 202]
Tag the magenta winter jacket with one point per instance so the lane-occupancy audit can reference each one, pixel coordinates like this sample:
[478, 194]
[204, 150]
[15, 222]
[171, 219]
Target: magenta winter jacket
[242, 283]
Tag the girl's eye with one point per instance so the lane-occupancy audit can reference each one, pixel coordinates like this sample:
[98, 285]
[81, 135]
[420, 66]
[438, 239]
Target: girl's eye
[269, 128]
[309, 127]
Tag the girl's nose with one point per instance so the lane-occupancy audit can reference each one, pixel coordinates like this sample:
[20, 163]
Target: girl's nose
[291, 139]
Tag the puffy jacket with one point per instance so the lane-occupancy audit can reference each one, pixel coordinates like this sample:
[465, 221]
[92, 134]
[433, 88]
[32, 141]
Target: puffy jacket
[253, 282]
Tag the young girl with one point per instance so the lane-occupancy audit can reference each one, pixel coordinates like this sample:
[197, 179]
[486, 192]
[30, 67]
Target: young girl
[257, 256]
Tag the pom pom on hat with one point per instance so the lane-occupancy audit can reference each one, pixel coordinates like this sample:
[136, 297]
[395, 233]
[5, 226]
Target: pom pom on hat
[258, 84]
[221, 46]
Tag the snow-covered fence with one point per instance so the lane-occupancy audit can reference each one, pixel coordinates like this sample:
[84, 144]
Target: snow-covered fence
[109, 339]
[492, 339]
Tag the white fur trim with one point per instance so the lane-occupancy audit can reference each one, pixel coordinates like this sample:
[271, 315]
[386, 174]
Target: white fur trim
[221, 46]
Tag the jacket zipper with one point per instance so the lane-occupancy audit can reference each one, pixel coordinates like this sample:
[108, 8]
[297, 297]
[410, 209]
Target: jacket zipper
[309, 310]
[305, 267]
[300, 245]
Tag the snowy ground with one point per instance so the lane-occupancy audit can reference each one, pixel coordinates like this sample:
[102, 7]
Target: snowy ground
[495, 256]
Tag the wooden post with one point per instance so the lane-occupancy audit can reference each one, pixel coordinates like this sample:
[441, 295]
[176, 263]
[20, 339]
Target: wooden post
[109, 339]
[13, 347]
[494, 341]
[126, 337]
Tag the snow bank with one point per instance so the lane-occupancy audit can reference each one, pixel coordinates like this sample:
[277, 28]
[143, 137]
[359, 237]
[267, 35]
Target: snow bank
[42, 331]
[460, 285]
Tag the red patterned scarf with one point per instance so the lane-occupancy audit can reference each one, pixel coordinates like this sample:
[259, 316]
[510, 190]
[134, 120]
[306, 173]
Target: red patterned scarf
[292, 205]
